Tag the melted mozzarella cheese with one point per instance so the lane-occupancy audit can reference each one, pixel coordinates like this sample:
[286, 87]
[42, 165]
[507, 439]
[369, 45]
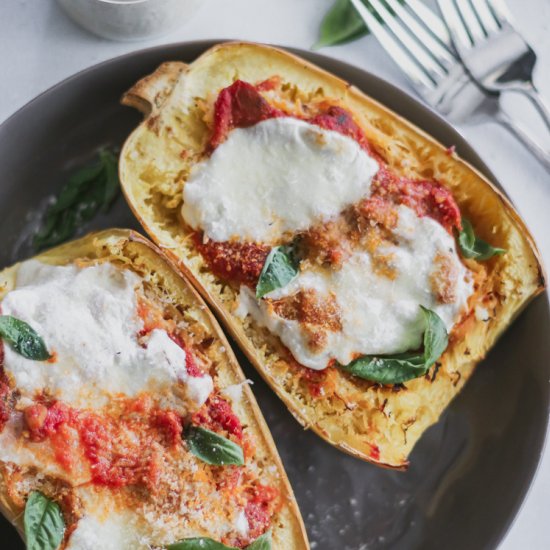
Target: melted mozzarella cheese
[91, 534]
[235, 391]
[88, 319]
[241, 524]
[379, 315]
[279, 175]
[107, 526]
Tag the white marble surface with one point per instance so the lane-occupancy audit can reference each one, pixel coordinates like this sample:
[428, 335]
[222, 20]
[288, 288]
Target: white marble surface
[39, 46]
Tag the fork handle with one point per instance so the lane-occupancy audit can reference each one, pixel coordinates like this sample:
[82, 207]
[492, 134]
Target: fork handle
[534, 95]
[539, 152]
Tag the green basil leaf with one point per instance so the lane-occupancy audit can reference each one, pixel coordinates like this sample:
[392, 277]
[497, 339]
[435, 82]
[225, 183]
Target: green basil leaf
[401, 367]
[280, 268]
[199, 543]
[388, 369]
[23, 338]
[213, 448]
[77, 183]
[263, 542]
[341, 24]
[473, 247]
[112, 185]
[44, 524]
[436, 338]
[90, 190]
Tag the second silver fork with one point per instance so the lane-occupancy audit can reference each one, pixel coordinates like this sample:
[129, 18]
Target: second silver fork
[420, 44]
[494, 53]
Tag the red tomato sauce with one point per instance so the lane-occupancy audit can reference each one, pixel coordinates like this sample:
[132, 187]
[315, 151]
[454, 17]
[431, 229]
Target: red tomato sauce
[374, 451]
[239, 262]
[114, 460]
[426, 198]
[5, 392]
[262, 504]
[191, 365]
[239, 106]
[339, 120]
[314, 379]
[216, 415]
[5, 409]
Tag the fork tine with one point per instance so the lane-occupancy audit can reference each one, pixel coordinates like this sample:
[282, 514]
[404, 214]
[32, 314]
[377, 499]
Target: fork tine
[500, 11]
[431, 20]
[441, 53]
[486, 17]
[471, 22]
[422, 81]
[461, 38]
[415, 48]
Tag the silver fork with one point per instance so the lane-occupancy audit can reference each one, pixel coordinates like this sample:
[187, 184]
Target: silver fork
[419, 42]
[491, 49]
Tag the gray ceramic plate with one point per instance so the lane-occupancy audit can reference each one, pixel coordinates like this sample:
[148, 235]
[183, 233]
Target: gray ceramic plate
[469, 473]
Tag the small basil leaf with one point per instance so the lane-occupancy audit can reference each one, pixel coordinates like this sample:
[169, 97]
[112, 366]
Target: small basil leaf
[43, 521]
[213, 448]
[280, 268]
[388, 369]
[466, 238]
[112, 186]
[341, 24]
[474, 248]
[263, 542]
[436, 338]
[79, 181]
[401, 367]
[88, 191]
[484, 250]
[199, 543]
[23, 338]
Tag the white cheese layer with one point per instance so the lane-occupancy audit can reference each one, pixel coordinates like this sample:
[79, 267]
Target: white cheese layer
[107, 526]
[279, 175]
[111, 534]
[88, 319]
[379, 315]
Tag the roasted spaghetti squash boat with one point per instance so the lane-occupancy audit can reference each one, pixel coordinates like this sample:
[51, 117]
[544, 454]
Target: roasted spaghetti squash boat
[125, 420]
[363, 267]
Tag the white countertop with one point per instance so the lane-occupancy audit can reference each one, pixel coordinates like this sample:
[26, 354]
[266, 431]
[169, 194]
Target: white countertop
[39, 46]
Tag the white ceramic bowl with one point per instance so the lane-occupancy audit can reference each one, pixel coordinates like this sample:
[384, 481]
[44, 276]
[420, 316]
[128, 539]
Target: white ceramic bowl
[130, 19]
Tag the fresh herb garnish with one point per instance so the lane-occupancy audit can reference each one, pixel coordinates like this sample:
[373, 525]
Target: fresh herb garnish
[398, 368]
[199, 543]
[343, 24]
[88, 191]
[213, 448]
[263, 542]
[43, 521]
[280, 268]
[23, 338]
[474, 247]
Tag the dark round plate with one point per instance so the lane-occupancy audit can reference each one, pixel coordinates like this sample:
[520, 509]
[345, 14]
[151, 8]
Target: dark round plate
[468, 474]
